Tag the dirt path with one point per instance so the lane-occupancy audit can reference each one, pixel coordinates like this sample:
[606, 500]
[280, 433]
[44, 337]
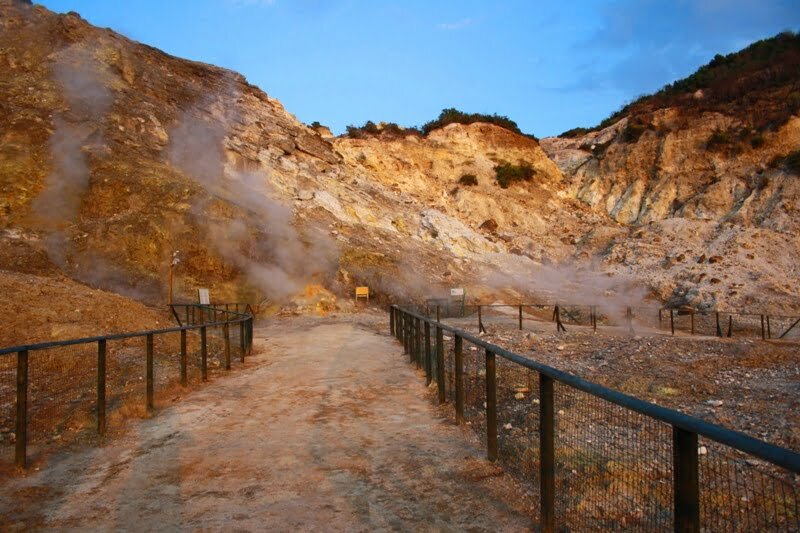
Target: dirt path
[328, 428]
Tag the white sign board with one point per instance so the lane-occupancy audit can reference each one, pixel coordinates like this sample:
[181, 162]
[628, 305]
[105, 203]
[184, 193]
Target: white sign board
[457, 292]
[205, 297]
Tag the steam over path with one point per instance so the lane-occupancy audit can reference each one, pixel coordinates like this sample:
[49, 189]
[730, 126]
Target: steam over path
[327, 428]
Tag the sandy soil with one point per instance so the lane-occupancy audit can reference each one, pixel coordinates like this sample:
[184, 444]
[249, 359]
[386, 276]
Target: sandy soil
[327, 428]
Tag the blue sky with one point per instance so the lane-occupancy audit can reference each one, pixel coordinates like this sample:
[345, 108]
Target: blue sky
[549, 66]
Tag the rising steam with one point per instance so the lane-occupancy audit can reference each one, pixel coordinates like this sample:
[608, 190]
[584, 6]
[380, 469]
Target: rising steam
[274, 256]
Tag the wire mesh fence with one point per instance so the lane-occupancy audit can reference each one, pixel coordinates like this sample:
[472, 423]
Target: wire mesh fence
[59, 393]
[613, 465]
[627, 318]
[599, 459]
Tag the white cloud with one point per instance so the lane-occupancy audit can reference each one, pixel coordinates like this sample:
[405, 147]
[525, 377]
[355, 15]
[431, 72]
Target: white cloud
[457, 25]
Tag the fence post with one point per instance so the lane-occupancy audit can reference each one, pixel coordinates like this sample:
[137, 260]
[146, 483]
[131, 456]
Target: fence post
[520, 317]
[226, 332]
[101, 386]
[391, 320]
[686, 489]
[184, 378]
[428, 362]
[418, 340]
[409, 333]
[149, 377]
[491, 407]
[459, 360]
[719, 329]
[769, 332]
[763, 331]
[242, 346]
[691, 316]
[547, 463]
[594, 318]
[438, 319]
[404, 331]
[730, 325]
[659, 318]
[250, 334]
[629, 318]
[440, 363]
[21, 430]
[672, 321]
[203, 353]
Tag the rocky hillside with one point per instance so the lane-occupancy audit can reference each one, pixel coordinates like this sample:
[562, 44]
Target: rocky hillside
[114, 155]
[710, 162]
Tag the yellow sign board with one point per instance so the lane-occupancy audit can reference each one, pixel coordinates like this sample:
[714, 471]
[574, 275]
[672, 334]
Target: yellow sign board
[362, 292]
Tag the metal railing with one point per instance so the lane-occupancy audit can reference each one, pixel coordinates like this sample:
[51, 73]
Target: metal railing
[691, 321]
[51, 393]
[601, 459]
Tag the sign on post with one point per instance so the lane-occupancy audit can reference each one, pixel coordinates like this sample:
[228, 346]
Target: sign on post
[459, 292]
[362, 292]
[204, 296]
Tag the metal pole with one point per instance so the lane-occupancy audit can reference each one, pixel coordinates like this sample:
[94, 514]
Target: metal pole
[691, 315]
[391, 320]
[438, 319]
[242, 347]
[418, 342]
[520, 317]
[719, 329]
[459, 360]
[730, 325]
[763, 331]
[227, 335]
[686, 488]
[428, 361]
[101, 386]
[184, 377]
[149, 342]
[672, 321]
[440, 363]
[203, 353]
[491, 407]
[547, 474]
[769, 332]
[21, 430]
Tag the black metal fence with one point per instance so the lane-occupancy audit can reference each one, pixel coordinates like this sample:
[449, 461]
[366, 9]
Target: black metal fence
[600, 459]
[630, 318]
[56, 393]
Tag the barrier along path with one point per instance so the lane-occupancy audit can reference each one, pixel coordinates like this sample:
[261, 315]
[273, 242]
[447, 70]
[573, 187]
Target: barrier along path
[600, 459]
[325, 426]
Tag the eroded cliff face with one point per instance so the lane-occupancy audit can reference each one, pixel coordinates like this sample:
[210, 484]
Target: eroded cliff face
[670, 172]
[684, 204]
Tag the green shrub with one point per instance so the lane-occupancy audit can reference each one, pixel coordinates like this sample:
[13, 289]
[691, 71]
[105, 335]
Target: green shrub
[756, 84]
[506, 173]
[792, 162]
[316, 124]
[387, 129]
[468, 180]
[454, 116]
[575, 132]
[719, 140]
[632, 132]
